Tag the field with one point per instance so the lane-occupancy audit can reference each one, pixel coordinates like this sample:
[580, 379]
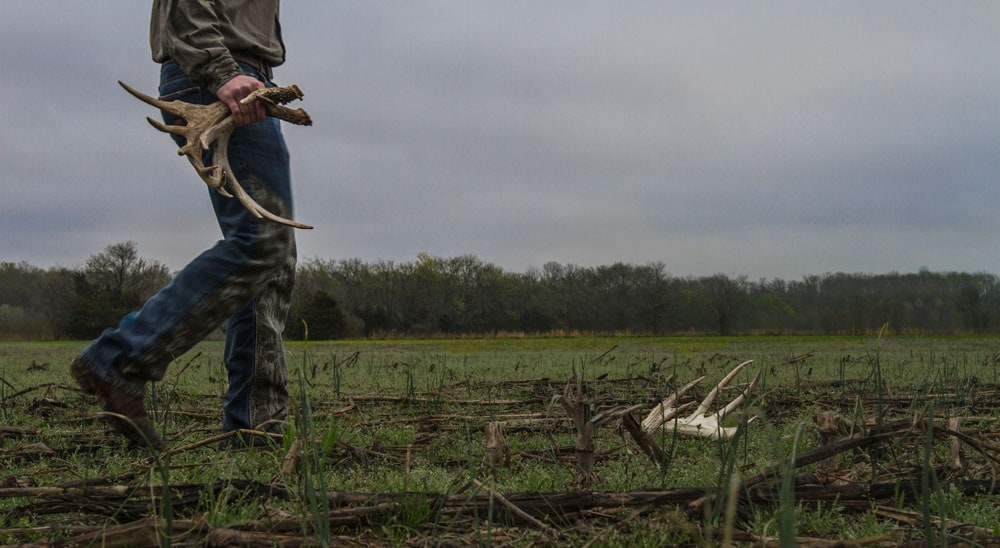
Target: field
[872, 440]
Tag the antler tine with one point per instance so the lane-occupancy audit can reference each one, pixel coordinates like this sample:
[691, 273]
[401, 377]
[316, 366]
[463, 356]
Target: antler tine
[666, 410]
[258, 211]
[194, 114]
[158, 103]
[222, 161]
[741, 398]
[710, 398]
[738, 401]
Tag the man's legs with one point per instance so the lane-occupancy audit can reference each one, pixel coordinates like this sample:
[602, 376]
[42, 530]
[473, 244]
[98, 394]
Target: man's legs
[254, 256]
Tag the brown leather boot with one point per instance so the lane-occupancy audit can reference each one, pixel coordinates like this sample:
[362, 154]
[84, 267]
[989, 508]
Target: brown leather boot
[136, 428]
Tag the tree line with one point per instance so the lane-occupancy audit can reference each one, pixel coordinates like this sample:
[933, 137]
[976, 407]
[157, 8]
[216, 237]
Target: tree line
[430, 296]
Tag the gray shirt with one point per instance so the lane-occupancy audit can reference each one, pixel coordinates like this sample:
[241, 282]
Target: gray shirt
[203, 36]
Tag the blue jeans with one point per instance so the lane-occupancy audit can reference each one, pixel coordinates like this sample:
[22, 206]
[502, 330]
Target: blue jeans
[245, 279]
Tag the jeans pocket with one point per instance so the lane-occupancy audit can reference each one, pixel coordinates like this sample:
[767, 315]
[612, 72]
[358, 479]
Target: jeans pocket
[174, 84]
[192, 90]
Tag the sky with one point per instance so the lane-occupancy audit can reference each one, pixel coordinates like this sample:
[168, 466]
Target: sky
[772, 139]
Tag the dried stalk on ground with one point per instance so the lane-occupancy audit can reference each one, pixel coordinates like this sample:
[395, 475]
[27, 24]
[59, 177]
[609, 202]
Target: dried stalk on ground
[580, 411]
[497, 450]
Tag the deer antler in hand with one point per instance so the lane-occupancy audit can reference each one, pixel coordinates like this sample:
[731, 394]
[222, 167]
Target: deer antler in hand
[210, 126]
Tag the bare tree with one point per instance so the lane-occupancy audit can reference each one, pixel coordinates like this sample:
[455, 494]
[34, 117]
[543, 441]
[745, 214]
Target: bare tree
[111, 284]
[123, 276]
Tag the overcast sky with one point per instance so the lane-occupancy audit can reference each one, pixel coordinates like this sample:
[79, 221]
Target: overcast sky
[767, 139]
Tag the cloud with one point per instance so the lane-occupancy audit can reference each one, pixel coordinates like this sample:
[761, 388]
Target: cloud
[776, 140]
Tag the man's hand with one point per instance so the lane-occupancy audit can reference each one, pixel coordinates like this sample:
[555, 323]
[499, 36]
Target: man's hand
[236, 89]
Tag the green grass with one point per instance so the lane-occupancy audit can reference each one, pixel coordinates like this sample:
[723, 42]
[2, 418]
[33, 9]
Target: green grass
[395, 415]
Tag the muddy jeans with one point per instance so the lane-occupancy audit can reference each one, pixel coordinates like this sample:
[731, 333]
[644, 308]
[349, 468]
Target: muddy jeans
[246, 277]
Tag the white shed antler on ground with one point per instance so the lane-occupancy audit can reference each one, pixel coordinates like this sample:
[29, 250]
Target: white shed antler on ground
[699, 423]
[210, 126]
[663, 418]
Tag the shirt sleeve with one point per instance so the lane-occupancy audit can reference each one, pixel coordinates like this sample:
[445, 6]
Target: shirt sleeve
[193, 38]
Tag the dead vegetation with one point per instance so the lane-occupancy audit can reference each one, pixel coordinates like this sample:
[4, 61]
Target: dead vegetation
[869, 452]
